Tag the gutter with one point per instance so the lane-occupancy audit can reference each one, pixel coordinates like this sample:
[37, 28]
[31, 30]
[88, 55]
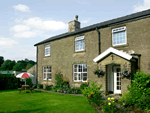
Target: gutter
[139, 58]
[99, 41]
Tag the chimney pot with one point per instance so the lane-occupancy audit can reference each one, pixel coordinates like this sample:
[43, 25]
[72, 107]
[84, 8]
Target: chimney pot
[76, 17]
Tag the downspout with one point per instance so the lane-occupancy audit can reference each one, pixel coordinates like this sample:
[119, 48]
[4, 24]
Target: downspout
[99, 41]
[139, 62]
[36, 64]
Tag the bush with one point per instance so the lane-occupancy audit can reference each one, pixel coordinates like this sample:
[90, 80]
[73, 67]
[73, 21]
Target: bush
[29, 82]
[61, 84]
[126, 99]
[139, 89]
[54, 89]
[39, 86]
[93, 94]
[48, 88]
[83, 85]
[9, 82]
[109, 106]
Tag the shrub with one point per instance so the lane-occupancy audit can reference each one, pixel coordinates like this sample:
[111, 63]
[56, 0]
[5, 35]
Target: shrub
[39, 86]
[48, 88]
[9, 82]
[62, 83]
[126, 99]
[139, 89]
[54, 89]
[109, 106]
[29, 82]
[143, 103]
[83, 85]
[93, 94]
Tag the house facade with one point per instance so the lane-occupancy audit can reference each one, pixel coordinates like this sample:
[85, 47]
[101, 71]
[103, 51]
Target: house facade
[110, 46]
[32, 70]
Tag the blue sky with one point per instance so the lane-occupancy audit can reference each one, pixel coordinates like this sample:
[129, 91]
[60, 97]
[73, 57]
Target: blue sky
[24, 23]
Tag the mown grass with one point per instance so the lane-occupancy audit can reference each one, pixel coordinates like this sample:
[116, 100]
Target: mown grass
[42, 102]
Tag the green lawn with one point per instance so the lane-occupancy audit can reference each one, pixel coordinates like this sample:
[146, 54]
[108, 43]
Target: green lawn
[42, 102]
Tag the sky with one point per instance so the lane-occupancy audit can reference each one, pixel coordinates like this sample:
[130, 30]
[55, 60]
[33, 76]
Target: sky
[24, 23]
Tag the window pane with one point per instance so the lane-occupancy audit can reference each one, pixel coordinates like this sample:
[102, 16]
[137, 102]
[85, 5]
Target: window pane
[75, 76]
[84, 76]
[84, 67]
[49, 75]
[80, 45]
[80, 68]
[119, 37]
[79, 76]
[44, 75]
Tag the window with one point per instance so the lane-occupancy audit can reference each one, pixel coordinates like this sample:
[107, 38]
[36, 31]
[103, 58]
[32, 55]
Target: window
[79, 43]
[47, 73]
[80, 72]
[47, 50]
[119, 36]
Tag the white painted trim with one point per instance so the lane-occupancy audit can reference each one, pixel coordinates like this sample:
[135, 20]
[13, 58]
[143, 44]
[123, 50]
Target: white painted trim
[81, 79]
[122, 29]
[48, 48]
[112, 50]
[76, 39]
[47, 73]
[115, 80]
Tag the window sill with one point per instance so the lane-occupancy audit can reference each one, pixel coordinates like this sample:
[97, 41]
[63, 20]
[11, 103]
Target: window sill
[124, 45]
[47, 56]
[80, 51]
[48, 79]
[79, 81]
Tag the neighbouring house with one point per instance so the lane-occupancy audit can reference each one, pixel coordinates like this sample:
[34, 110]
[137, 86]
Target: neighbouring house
[5, 72]
[32, 70]
[110, 46]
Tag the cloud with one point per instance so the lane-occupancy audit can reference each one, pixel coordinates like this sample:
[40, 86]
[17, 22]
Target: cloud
[18, 28]
[22, 8]
[18, 20]
[27, 34]
[7, 42]
[141, 7]
[38, 23]
[85, 21]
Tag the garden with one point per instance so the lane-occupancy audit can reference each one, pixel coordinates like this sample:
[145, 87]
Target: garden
[135, 100]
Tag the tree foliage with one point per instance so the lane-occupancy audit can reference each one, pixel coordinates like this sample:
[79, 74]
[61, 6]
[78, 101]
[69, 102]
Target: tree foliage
[8, 65]
[23, 64]
[1, 60]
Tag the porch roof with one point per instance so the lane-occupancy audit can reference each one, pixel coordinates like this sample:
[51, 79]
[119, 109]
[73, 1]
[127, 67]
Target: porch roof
[115, 51]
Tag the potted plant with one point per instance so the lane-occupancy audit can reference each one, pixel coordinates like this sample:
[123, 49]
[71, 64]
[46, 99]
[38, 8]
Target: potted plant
[99, 72]
[126, 73]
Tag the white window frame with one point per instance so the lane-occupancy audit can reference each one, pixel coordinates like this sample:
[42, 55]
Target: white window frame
[46, 49]
[119, 30]
[81, 79]
[47, 73]
[79, 39]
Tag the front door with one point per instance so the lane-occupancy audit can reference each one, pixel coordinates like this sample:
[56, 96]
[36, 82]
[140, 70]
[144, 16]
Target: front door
[117, 79]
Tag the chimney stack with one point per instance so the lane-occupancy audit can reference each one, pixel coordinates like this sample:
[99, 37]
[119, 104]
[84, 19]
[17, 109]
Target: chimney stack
[74, 24]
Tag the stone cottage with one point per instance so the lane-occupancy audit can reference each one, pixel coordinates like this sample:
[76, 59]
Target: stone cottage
[111, 46]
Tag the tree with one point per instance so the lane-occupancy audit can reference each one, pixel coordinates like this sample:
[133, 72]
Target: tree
[1, 60]
[19, 66]
[29, 66]
[8, 65]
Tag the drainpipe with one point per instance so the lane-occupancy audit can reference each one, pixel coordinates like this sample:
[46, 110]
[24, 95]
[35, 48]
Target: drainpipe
[139, 55]
[36, 65]
[99, 43]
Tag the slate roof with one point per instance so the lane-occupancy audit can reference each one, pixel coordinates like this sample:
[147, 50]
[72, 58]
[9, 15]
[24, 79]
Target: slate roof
[131, 17]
